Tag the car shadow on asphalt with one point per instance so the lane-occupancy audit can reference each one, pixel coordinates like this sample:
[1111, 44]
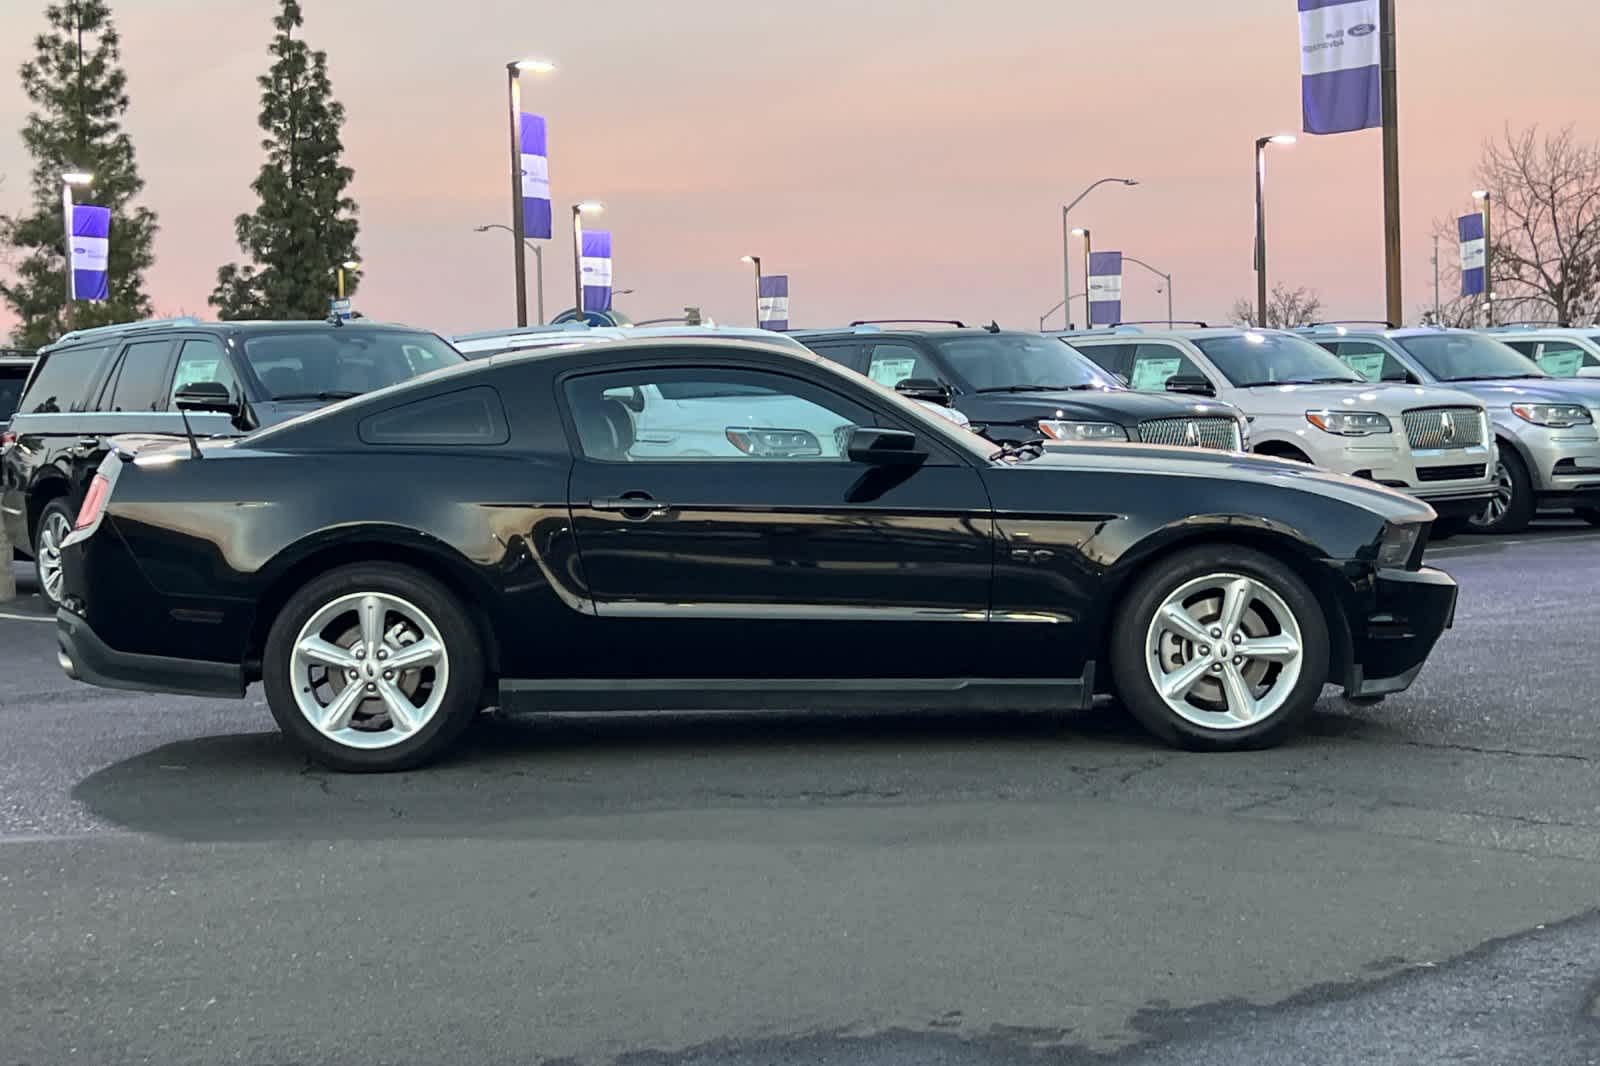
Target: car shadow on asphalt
[509, 771]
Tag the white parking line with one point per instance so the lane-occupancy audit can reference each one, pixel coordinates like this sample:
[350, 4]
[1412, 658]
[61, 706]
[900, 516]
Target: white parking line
[24, 617]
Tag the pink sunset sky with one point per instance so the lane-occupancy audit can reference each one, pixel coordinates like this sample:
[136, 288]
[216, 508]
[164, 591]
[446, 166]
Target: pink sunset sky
[894, 157]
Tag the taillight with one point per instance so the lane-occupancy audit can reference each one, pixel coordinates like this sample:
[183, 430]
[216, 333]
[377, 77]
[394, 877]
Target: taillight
[7, 439]
[94, 502]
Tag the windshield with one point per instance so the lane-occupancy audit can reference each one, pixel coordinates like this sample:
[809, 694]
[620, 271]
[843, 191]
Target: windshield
[337, 363]
[1020, 362]
[1468, 357]
[1260, 358]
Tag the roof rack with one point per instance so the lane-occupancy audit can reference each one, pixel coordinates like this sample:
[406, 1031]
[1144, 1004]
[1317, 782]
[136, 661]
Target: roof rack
[1349, 322]
[128, 327]
[1532, 323]
[1165, 322]
[909, 322]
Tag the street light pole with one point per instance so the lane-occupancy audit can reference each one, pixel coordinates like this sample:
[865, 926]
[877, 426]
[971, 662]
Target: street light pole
[1088, 243]
[1486, 198]
[1167, 278]
[1066, 246]
[68, 180]
[1261, 221]
[755, 259]
[518, 222]
[352, 266]
[587, 207]
[538, 262]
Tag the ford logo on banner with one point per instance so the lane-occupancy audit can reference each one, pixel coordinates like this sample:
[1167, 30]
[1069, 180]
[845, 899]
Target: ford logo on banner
[1362, 29]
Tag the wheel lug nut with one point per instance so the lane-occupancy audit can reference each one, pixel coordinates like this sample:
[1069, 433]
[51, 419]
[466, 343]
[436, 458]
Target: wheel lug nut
[388, 675]
[1237, 639]
[354, 675]
[1216, 634]
[383, 653]
[371, 687]
[361, 653]
[1216, 668]
[1238, 660]
[1204, 650]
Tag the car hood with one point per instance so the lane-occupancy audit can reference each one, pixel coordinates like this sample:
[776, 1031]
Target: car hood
[1149, 459]
[1533, 390]
[1108, 405]
[1386, 399]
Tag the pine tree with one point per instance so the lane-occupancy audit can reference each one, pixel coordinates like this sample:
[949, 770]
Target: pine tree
[305, 225]
[79, 92]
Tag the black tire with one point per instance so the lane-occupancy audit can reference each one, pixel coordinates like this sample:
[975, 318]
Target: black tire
[1590, 515]
[463, 689]
[1519, 510]
[1138, 692]
[44, 556]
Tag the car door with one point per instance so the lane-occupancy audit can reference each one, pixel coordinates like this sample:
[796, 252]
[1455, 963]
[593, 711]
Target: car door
[777, 556]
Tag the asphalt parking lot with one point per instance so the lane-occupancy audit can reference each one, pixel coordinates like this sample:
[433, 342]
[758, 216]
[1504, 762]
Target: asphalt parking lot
[1415, 882]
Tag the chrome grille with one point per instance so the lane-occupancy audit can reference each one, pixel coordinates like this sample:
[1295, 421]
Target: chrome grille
[1220, 433]
[1435, 428]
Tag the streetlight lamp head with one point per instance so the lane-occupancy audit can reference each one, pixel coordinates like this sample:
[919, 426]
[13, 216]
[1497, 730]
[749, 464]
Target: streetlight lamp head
[1079, 231]
[1480, 194]
[351, 264]
[77, 177]
[1283, 138]
[1130, 181]
[749, 259]
[589, 207]
[535, 66]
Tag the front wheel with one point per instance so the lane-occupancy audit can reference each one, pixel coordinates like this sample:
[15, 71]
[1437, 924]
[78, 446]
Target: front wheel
[1512, 507]
[373, 667]
[1220, 648]
[54, 526]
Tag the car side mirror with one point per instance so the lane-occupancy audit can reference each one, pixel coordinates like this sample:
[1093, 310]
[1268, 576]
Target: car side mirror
[925, 389]
[884, 447]
[206, 396]
[1192, 384]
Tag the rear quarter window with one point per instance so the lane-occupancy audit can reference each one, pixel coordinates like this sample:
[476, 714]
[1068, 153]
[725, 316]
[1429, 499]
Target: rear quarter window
[12, 378]
[470, 417]
[62, 381]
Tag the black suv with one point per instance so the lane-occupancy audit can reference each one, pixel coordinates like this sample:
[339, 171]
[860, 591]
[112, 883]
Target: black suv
[14, 367]
[121, 382]
[1018, 386]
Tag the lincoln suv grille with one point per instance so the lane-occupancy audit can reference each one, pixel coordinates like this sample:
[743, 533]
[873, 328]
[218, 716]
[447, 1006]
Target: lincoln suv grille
[1220, 433]
[1435, 428]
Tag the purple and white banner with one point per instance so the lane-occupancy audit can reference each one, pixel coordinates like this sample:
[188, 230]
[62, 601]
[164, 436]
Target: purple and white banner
[773, 305]
[1339, 86]
[91, 242]
[535, 178]
[595, 265]
[1474, 251]
[1105, 288]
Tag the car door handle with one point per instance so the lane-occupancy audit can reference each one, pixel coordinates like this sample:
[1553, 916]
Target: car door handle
[638, 506]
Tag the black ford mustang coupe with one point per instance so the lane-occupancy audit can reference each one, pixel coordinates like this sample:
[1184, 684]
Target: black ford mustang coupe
[705, 524]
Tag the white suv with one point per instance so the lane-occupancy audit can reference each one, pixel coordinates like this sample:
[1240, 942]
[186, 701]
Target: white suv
[1304, 404]
[1561, 353]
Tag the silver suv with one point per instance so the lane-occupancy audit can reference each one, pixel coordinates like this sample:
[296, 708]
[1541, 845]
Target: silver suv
[1544, 426]
[1303, 404]
[1561, 353]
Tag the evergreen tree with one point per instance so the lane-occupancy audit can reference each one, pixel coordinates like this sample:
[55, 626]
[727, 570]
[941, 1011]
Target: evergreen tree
[305, 225]
[79, 93]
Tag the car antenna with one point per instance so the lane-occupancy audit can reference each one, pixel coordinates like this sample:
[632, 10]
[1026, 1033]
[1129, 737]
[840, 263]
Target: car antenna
[188, 430]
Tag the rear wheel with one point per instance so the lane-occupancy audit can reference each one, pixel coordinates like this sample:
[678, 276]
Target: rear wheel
[1512, 508]
[54, 526]
[1220, 648]
[373, 667]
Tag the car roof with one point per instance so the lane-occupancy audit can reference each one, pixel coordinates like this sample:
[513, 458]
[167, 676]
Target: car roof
[943, 333]
[158, 325]
[1523, 330]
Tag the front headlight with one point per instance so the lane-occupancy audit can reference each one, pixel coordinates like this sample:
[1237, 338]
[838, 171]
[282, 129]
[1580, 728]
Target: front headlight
[1079, 432]
[775, 443]
[1554, 415]
[1394, 550]
[1349, 423]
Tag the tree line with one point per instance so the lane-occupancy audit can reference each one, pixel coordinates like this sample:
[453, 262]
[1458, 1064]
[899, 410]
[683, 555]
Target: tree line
[304, 224]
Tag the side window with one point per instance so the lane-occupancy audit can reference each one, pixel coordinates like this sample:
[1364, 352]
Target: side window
[709, 414]
[891, 364]
[848, 353]
[142, 378]
[1561, 359]
[62, 381]
[1155, 364]
[1117, 358]
[1527, 348]
[202, 359]
[469, 417]
[1370, 360]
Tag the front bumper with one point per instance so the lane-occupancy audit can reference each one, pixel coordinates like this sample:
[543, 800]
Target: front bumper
[1406, 612]
[1457, 503]
[1462, 479]
[85, 657]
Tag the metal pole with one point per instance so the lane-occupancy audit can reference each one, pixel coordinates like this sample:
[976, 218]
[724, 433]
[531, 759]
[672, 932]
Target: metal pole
[341, 283]
[518, 223]
[66, 230]
[1488, 255]
[1066, 271]
[1391, 165]
[1436, 279]
[1088, 250]
[538, 270]
[577, 260]
[756, 260]
[1169, 301]
[1261, 232]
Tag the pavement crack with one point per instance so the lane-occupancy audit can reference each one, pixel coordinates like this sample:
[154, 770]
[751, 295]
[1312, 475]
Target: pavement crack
[1474, 749]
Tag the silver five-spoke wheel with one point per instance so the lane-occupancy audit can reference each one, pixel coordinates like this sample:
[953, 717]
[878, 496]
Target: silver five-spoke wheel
[1495, 510]
[369, 670]
[54, 529]
[1224, 651]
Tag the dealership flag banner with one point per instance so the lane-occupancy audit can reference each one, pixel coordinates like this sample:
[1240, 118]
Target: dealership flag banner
[1473, 249]
[535, 178]
[774, 303]
[596, 266]
[91, 240]
[1339, 86]
[1105, 288]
